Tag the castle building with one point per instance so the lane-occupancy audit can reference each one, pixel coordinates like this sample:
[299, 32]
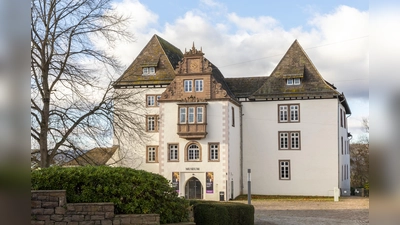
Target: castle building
[204, 130]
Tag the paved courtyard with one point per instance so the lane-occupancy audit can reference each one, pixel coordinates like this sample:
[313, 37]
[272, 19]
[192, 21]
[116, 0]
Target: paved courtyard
[349, 210]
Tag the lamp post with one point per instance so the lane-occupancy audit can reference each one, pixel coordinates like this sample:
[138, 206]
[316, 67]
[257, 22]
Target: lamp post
[249, 186]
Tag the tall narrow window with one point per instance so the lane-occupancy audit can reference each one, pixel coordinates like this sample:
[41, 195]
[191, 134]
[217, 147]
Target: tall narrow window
[151, 100]
[341, 142]
[283, 113]
[284, 169]
[283, 140]
[199, 114]
[341, 118]
[151, 154]
[294, 113]
[173, 152]
[182, 115]
[191, 115]
[158, 98]
[289, 140]
[188, 85]
[344, 119]
[295, 140]
[214, 151]
[233, 117]
[289, 113]
[152, 123]
[198, 85]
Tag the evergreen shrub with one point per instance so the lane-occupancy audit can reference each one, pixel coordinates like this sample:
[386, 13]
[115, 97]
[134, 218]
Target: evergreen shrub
[132, 191]
[229, 213]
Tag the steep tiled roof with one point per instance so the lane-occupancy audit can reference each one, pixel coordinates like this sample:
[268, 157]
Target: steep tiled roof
[216, 73]
[243, 87]
[159, 53]
[295, 64]
[94, 157]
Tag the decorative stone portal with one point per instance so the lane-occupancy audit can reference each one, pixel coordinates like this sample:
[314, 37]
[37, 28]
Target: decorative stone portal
[193, 189]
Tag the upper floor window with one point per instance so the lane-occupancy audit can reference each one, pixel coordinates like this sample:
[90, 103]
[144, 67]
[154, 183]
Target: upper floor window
[233, 117]
[149, 70]
[289, 113]
[213, 151]
[152, 100]
[173, 153]
[198, 85]
[151, 123]
[293, 81]
[289, 140]
[188, 84]
[194, 114]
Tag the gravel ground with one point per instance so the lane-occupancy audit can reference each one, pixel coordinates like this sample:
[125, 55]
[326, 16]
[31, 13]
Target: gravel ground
[348, 211]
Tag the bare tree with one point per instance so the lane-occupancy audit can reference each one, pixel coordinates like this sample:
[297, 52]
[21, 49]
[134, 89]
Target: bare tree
[73, 105]
[359, 158]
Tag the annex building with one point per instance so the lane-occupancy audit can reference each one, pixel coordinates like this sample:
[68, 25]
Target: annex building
[205, 130]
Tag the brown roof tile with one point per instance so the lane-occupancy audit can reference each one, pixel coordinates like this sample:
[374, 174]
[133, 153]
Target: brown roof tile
[94, 157]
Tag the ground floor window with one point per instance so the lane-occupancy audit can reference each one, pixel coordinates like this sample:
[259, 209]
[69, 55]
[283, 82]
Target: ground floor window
[284, 169]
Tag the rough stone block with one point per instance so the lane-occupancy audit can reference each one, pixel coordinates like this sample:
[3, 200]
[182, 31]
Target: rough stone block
[36, 204]
[49, 204]
[36, 222]
[77, 218]
[109, 215]
[86, 223]
[60, 210]
[60, 223]
[43, 217]
[107, 222]
[57, 217]
[38, 211]
[48, 211]
[97, 217]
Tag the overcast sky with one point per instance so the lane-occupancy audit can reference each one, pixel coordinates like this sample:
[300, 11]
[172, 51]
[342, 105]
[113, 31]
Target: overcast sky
[248, 38]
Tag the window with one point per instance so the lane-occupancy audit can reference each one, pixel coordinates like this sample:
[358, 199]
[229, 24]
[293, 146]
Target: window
[195, 114]
[289, 140]
[284, 169]
[285, 110]
[149, 70]
[341, 118]
[191, 115]
[198, 85]
[344, 119]
[151, 123]
[173, 152]
[152, 155]
[233, 117]
[187, 84]
[193, 152]
[293, 81]
[213, 152]
[152, 100]
[341, 140]
[199, 114]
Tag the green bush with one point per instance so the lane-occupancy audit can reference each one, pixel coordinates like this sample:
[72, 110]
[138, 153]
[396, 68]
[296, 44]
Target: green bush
[132, 191]
[210, 213]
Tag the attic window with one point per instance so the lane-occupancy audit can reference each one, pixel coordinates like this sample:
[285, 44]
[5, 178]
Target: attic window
[293, 81]
[149, 70]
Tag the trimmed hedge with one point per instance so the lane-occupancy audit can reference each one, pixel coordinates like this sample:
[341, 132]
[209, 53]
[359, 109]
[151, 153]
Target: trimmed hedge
[132, 191]
[222, 213]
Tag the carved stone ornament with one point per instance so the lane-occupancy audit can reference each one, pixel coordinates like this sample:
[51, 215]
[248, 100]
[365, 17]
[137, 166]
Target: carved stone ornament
[218, 90]
[170, 91]
[193, 99]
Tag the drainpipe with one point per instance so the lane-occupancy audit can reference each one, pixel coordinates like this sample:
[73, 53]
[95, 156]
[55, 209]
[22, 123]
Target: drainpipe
[241, 149]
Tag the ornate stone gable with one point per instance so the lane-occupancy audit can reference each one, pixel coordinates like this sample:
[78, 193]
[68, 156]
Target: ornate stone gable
[196, 71]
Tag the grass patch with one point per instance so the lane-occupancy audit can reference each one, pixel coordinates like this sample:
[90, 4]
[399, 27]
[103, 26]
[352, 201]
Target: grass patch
[284, 197]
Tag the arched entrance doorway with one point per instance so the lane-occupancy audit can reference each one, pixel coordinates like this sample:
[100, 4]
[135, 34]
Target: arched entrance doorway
[193, 189]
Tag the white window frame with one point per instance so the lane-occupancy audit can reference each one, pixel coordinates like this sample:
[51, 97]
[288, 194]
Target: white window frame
[173, 152]
[151, 100]
[182, 115]
[191, 114]
[198, 85]
[152, 121]
[213, 151]
[199, 114]
[289, 81]
[289, 140]
[151, 70]
[296, 81]
[289, 113]
[188, 85]
[151, 154]
[284, 170]
[193, 152]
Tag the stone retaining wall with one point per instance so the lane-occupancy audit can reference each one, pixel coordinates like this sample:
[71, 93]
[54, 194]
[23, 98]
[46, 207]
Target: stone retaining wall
[51, 207]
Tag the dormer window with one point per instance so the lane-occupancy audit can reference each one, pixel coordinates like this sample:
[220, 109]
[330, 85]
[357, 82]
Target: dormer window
[149, 71]
[293, 81]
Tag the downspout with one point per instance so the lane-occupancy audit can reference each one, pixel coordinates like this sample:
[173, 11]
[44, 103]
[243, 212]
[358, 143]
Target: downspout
[241, 149]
